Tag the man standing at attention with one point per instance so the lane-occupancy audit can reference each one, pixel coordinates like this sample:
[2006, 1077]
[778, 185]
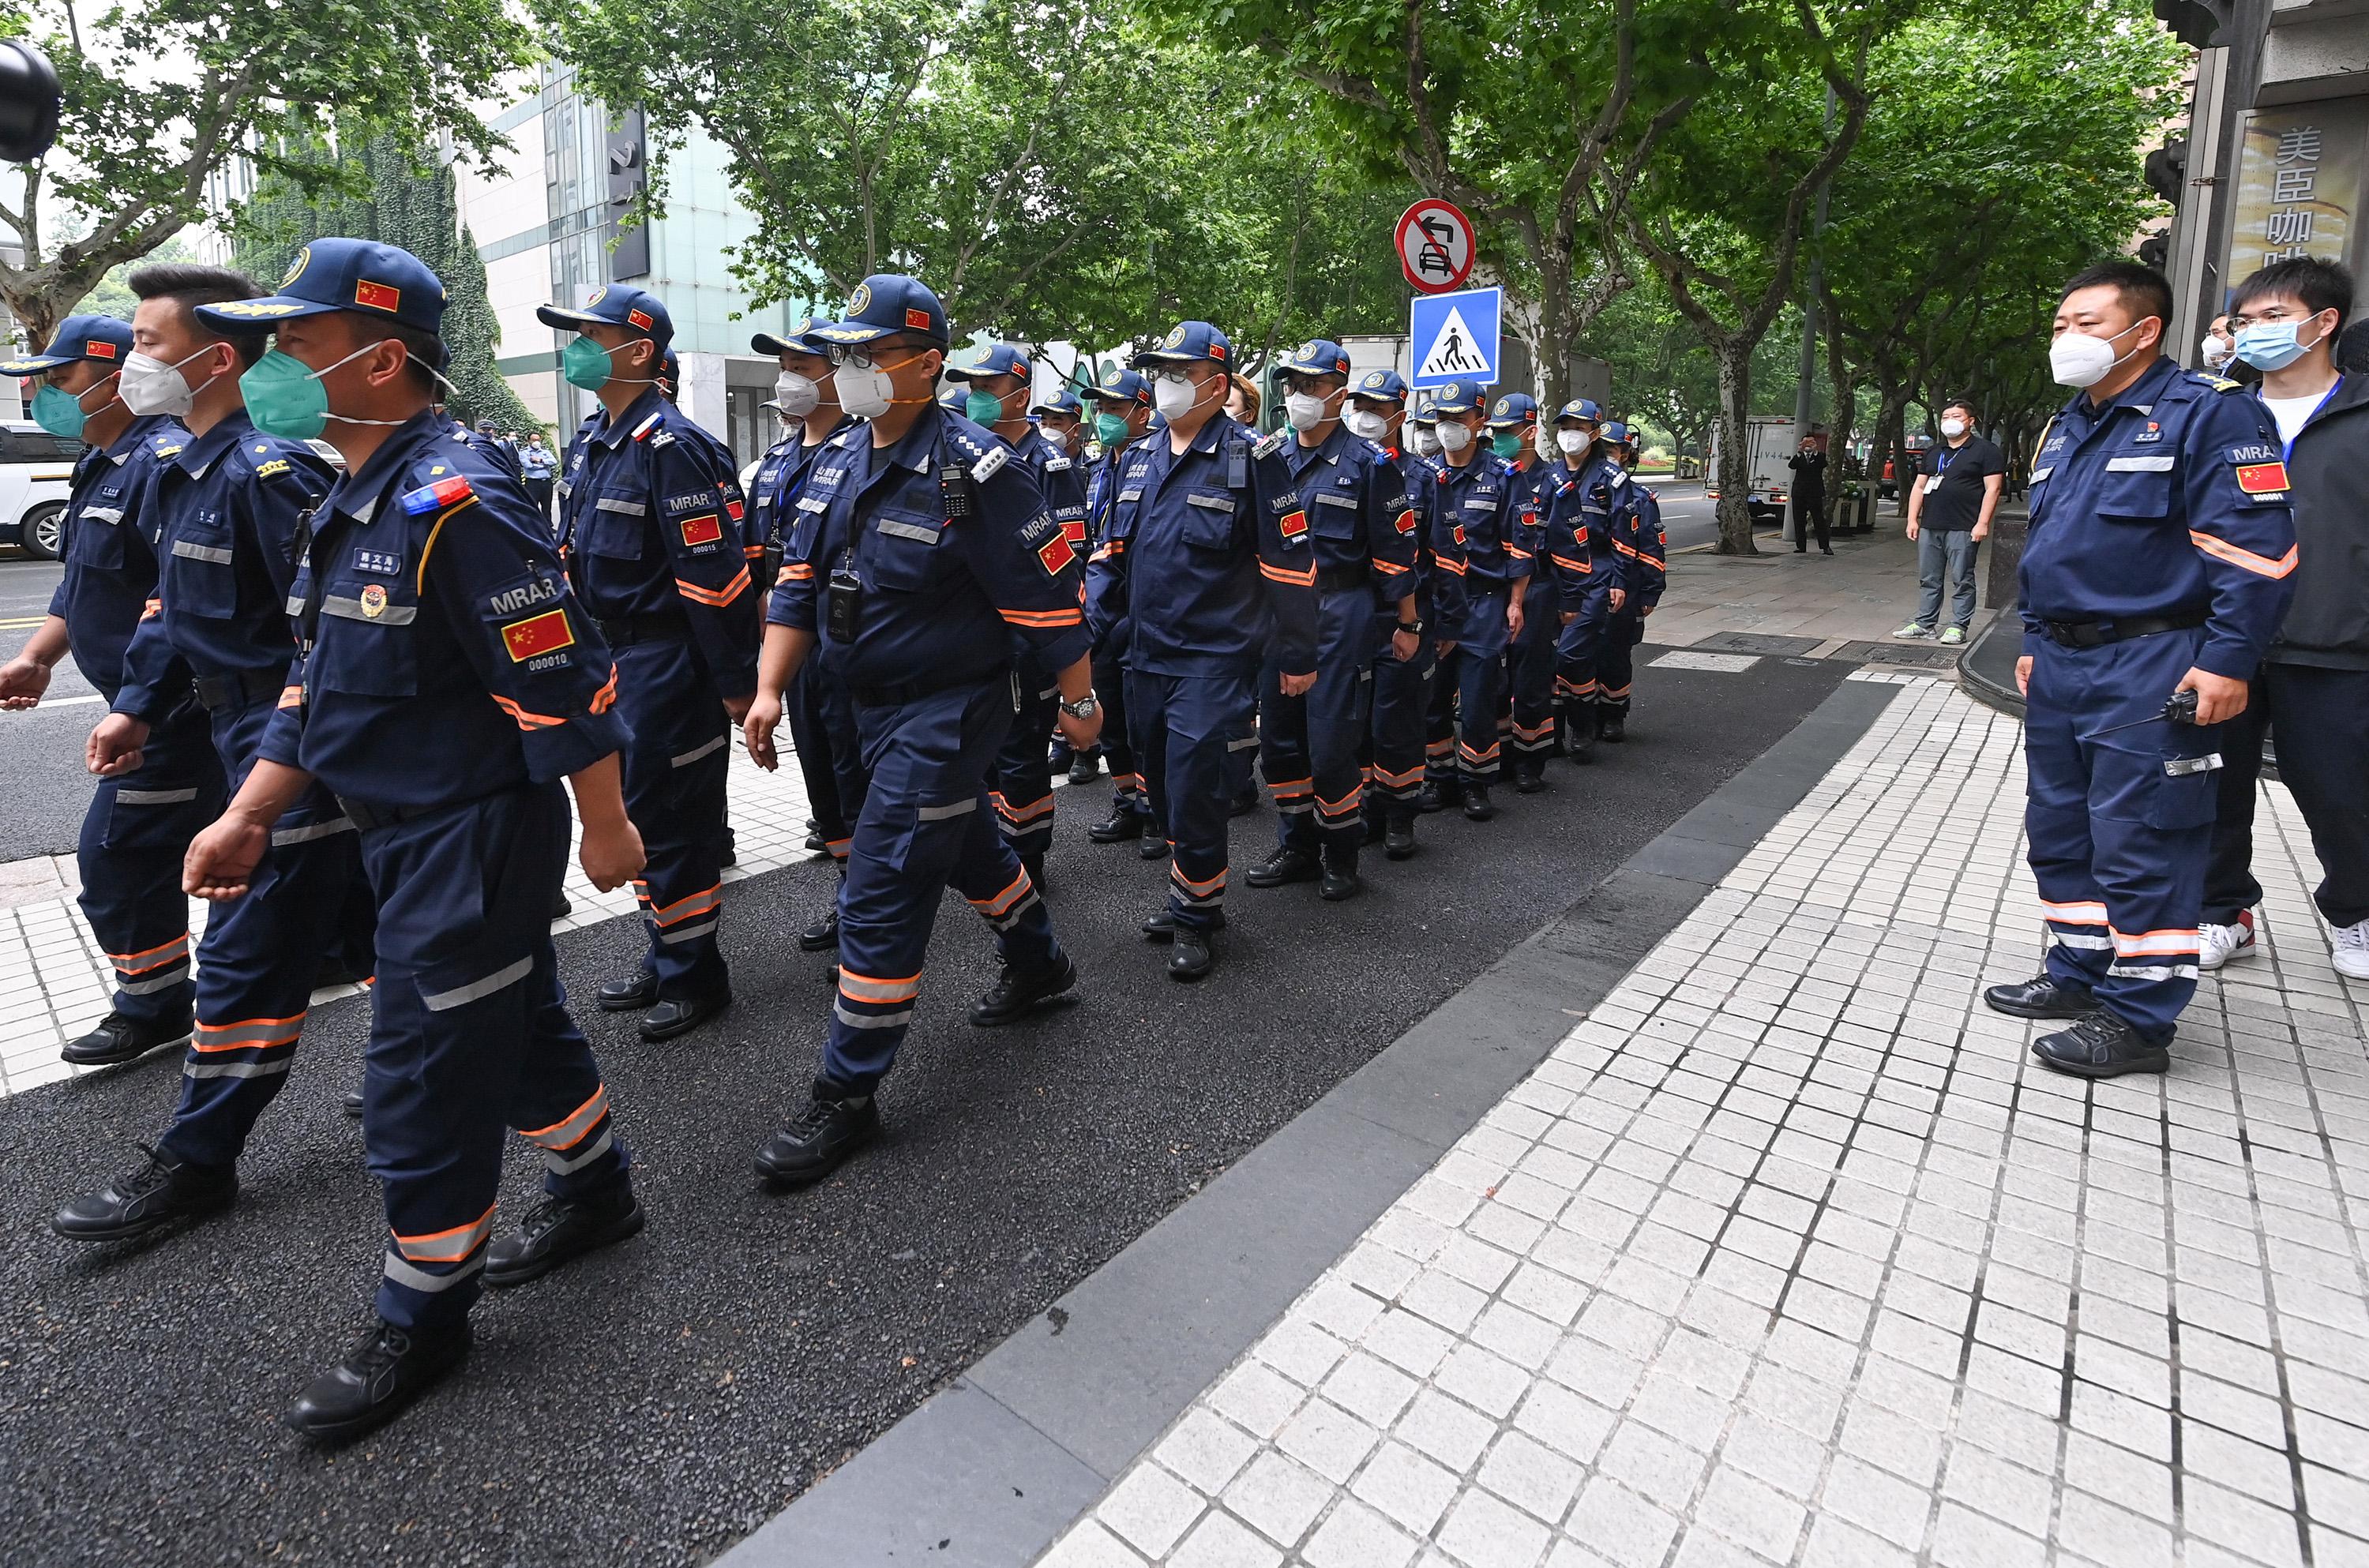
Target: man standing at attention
[1949, 508]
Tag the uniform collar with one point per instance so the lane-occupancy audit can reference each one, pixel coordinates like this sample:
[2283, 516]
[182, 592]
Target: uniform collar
[1329, 449]
[914, 449]
[200, 453]
[118, 451]
[650, 401]
[2142, 394]
[360, 495]
[1206, 438]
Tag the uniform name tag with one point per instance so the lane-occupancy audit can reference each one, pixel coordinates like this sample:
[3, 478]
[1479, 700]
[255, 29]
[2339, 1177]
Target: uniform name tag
[377, 564]
[2184, 767]
[1327, 499]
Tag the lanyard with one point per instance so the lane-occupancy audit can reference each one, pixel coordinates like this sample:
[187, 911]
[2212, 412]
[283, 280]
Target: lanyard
[1942, 462]
[2286, 447]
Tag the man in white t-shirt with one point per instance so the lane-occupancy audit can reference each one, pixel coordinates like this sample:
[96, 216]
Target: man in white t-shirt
[2313, 690]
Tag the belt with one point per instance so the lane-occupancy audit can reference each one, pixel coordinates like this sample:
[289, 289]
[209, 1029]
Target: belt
[370, 818]
[623, 631]
[1333, 579]
[240, 688]
[2098, 634]
[914, 690]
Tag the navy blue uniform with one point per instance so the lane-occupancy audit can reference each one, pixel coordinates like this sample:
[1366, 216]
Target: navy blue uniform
[1312, 747]
[1634, 527]
[1530, 657]
[1579, 559]
[1480, 511]
[450, 680]
[1215, 546]
[1402, 687]
[820, 717]
[956, 554]
[2160, 540]
[229, 506]
[1106, 619]
[651, 527]
[1022, 789]
[140, 823]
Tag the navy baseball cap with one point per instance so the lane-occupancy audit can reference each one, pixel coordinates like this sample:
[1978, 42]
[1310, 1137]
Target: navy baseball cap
[1456, 397]
[799, 339]
[996, 358]
[670, 370]
[1187, 341]
[1063, 401]
[953, 399]
[1619, 434]
[885, 304]
[1318, 355]
[1387, 385]
[100, 337]
[1120, 385]
[1581, 408]
[381, 281]
[1513, 411]
[619, 305]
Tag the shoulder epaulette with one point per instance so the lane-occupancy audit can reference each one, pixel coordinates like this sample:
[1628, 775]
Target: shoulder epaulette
[166, 446]
[2219, 383]
[647, 426]
[988, 466]
[1269, 444]
[436, 497]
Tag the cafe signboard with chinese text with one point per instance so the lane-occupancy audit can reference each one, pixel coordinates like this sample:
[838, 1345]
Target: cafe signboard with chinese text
[2300, 186]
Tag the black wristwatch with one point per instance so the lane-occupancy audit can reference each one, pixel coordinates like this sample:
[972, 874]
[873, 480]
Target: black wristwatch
[1412, 628]
[1084, 707]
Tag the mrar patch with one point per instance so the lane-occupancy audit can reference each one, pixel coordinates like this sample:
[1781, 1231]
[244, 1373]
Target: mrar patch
[2262, 478]
[546, 632]
[1055, 554]
[705, 529]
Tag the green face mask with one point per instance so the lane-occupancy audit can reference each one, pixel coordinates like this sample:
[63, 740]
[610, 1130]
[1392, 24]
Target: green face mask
[1110, 428]
[983, 409]
[287, 400]
[586, 364]
[1508, 445]
[58, 411]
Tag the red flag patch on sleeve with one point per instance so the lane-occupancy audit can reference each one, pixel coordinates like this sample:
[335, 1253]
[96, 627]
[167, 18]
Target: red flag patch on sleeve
[733, 506]
[2262, 478]
[704, 529]
[1294, 524]
[1074, 530]
[546, 632]
[1055, 554]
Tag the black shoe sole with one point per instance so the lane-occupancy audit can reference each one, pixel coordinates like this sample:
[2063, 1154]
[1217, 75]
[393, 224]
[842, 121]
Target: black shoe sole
[627, 1224]
[1097, 834]
[1394, 851]
[1528, 786]
[806, 1177]
[1253, 878]
[654, 1034]
[117, 1058]
[149, 1227]
[1187, 976]
[1341, 895]
[637, 1003]
[1153, 849]
[810, 944]
[2067, 1012]
[380, 1415]
[981, 1019]
[2154, 1061]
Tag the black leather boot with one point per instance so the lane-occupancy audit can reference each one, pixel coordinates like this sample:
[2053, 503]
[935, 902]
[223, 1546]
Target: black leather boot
[1399, 843]
[148, 1197]
[1340, 879]
[1018, 993]
[834, 1125]
[1287, 863]
[386, 1369]
[560, 1229]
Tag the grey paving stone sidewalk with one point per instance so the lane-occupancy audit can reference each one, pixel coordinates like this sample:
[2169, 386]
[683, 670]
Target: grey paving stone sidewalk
[1790, 1254]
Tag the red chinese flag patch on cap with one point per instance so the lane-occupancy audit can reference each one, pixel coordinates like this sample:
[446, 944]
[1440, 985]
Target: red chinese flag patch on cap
[1218, 352]
[377, 296]
[1055, 554]
[704, 529]
[99, 349]
[546, 632]
[2262, 478]
[640, 318]
[916, 318]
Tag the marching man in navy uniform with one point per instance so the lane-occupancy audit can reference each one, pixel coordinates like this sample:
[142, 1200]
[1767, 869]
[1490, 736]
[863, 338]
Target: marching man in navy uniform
[1215, 546]
[1529, 658]
[1311, 747]
[1480, 513]
[139, 823]
[1578, 558]
[651, 527]
[997, 380]
[1634, 528]
[1122, 419]
[2158, 563]
[448, 681]
[933, 551]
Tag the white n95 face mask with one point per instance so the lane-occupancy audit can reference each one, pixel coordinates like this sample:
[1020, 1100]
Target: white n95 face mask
[1572, 442]
[2077, 359]
[1454, 437]
[1304, 412]
[1174, 399]
[1953, 428]
[797, 394]
[1366, 423]
[149, 385]
[865, 394]
[1424, 438]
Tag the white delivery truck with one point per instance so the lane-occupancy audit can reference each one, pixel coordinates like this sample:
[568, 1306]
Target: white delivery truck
[1769, 441]
[36, 471]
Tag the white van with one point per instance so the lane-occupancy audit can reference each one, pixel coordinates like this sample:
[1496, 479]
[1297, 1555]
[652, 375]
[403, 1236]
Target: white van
[36, 473]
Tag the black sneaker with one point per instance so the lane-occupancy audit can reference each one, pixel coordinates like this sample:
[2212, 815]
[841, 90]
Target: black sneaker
[1340, 878]
[1399, 842]
[558, 1231]
[386, 1369]
[148, 1197]
[1613, 728]
[833, 1125]
[1287, 863]
[1154, 846]
[1189, 958]
[2100, 1046]
[2040, 998]
[1084, 768]
[1124, 822]
[822, 935]
[630, 995]
[1016, 994]
[115, 1039]
[1476, 803]
[681, 1015]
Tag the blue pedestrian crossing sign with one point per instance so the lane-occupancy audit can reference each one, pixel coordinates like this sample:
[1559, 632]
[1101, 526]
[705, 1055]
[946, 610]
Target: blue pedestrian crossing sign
[1454, 337]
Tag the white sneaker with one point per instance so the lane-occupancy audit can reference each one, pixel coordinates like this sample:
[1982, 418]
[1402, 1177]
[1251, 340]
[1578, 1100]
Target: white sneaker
[1913, 631]
[2353, 950]
[2219, 943]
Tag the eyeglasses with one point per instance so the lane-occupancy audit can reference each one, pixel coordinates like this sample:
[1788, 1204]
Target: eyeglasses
[2270, 315]
[1179, 377]
[863, 359]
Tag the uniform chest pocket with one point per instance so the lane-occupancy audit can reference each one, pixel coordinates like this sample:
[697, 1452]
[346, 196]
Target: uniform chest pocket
[196, 575]
[367, 640]
[903, 549]
[614, 526]
[804, 527]
[2137, 487]
[1333, 514]
[1208, 521]
[94, 534]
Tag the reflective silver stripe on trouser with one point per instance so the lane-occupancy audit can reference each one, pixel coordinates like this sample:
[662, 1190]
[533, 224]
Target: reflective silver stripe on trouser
[201, 552]
[239, 1069]
[941, 813]
[508, 975]
[696, 753]
[154, 796]
[685, 932]
[2153, 971]
[311, 830]
[1244, 744]
[153, 983]
[2081, 939]
[350, 609]
[1010, 917]
[563, 1165]
[420, 1279]
[871, 1020]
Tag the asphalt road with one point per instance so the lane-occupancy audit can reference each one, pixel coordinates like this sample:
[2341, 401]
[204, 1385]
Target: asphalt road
[653, 1404]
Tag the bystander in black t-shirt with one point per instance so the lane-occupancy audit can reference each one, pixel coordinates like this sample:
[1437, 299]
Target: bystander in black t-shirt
[1953, 495]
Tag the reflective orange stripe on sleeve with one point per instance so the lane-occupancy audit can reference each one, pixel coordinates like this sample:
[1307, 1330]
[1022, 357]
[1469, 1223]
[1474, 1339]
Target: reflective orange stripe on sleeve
[2221, 549]
[1285, 575]
[714, 598]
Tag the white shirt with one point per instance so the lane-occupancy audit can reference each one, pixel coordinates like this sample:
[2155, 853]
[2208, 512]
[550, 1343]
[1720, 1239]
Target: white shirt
[2289, 413]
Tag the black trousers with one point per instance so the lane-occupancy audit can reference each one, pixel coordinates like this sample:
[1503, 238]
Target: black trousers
[1809, 512]
[2320, 720]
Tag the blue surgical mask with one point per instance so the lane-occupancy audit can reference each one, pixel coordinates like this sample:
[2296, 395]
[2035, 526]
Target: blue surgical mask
[2270, 345]
[58, 411]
